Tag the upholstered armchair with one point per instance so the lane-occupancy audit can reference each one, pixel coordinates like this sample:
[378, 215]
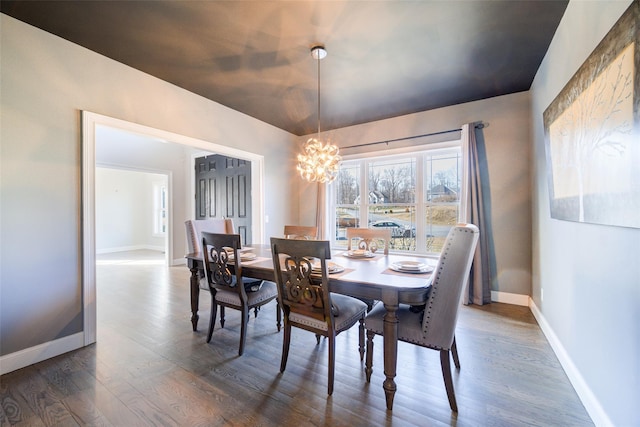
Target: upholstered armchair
[434, 327]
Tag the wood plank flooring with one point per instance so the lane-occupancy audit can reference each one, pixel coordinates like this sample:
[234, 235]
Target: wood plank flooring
[149, 369]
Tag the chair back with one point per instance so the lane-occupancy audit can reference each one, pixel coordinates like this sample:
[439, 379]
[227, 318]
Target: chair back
[195, 227]
[220, 251]
[370, 239]
[449, 279]
[300, 232]
[298, 291]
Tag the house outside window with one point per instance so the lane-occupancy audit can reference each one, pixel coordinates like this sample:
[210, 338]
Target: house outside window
[414, 194]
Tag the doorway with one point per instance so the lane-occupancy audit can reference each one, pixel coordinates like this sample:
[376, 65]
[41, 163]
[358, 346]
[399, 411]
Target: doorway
[91, 123]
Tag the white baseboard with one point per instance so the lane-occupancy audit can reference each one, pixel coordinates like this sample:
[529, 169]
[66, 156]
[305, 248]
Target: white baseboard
[129, 248]
[179, 261]
[29, 356]
[507, 298]
[589, 400]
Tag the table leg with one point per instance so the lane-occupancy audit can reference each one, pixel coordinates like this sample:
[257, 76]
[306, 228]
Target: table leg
[390, 336]
[195, 295]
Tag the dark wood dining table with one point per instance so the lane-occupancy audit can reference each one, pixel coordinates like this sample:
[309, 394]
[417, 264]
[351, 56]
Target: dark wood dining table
[369, 278]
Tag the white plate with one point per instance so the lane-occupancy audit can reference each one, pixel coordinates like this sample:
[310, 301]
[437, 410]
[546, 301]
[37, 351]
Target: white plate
[247, 256]
[333, 268]
[422, 270]
[410, 265]
[359, 253]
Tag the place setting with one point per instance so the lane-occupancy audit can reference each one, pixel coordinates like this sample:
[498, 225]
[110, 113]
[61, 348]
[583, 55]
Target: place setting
[358, 254]
[411, 267]
[332, 268]
[246, 254]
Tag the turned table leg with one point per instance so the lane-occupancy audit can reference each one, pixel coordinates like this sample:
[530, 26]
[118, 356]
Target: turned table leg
[390, 337]
[195, 293]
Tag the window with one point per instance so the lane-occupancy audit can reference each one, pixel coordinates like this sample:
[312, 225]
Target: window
[416, 195]
[159, 209]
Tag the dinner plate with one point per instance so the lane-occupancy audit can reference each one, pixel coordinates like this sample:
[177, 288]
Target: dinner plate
[397, 266]
[410, 265]
[359, 253]
[333, 268]
[247, 256]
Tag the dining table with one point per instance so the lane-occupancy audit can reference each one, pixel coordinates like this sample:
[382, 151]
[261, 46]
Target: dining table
[372, 277]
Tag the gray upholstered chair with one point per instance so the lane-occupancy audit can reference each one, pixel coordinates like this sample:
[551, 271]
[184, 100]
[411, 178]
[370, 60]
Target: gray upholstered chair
[369, 239]
[301, 232]
[303, 295]
[230, 289]
[434, 327]
[194, 229]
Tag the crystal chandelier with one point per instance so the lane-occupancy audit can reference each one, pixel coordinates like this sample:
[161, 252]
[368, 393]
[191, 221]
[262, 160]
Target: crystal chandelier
[319, 160]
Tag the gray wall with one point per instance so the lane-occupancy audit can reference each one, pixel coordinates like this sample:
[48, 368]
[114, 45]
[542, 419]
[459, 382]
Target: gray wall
[46, 82]
[590, 273]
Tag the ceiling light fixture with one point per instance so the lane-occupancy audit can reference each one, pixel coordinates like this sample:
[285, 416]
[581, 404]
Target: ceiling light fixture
[318, 161]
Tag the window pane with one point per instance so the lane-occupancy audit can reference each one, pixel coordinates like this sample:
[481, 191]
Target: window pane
[392, 181]
[400, 219]
[391, 200]
[347, 188]
[443, 180]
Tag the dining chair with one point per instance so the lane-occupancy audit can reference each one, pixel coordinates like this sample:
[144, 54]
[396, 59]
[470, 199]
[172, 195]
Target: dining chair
[301, 272]
[300, 232]
[227, 286]
[434, 327]
[369, 239]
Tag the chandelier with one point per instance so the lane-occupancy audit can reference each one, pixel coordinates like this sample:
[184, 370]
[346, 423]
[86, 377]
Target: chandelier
[319, 160]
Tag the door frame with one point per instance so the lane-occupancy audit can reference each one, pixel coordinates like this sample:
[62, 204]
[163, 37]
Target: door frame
[89, 122]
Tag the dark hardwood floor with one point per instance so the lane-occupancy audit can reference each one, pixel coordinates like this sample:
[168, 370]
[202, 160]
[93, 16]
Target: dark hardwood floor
[149, 369]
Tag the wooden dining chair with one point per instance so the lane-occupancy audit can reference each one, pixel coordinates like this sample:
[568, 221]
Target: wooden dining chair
[227, 286]
[369, 239]
[434, 327]
[300, 232]
[305, 298]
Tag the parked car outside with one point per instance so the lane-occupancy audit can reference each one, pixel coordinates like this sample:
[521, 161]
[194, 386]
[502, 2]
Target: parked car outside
[397, 230]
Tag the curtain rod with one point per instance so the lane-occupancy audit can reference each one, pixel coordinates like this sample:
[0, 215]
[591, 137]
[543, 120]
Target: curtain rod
[478, 126]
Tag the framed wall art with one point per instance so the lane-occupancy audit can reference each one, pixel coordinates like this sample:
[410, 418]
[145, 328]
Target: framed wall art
[592, 133]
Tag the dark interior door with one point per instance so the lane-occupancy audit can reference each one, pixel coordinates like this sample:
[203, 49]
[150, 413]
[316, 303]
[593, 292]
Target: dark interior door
[223, 190]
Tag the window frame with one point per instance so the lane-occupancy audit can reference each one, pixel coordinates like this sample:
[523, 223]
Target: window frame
[420, 153]
[160, 209]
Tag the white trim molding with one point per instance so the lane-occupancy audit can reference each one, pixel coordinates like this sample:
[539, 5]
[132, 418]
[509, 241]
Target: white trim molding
[589, 400]
[20, 359]
[507, 298]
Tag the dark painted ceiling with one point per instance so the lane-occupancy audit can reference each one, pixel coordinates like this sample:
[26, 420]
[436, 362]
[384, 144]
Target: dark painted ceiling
[385, 58]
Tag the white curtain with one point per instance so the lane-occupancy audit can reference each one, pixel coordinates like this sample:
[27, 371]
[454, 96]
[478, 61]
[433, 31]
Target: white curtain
[321, 210]
[475, 207]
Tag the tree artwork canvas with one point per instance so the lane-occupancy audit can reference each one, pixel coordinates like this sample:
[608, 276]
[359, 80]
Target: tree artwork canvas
[593, 133]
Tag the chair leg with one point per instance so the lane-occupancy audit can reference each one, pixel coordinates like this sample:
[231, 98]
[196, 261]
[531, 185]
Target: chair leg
[278, 316]
[332, 363]
[212, 319]
[454, 353]
[243, 329]
[222, 316]
[255, 312]
[448, 382]
[317, 339]
[361, 339]
[368, 366]
[285, 345]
